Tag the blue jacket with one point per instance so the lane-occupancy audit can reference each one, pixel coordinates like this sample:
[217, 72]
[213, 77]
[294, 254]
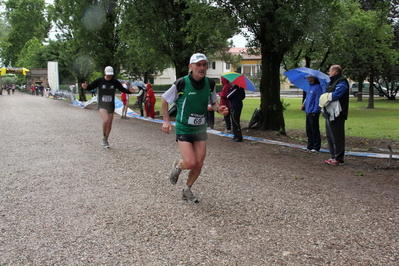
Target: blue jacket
[339, 87]
[312, 99]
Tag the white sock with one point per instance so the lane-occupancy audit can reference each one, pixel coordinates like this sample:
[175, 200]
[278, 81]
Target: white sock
[187, 187]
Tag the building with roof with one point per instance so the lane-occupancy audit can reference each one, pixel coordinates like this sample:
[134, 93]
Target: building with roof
[249, 66]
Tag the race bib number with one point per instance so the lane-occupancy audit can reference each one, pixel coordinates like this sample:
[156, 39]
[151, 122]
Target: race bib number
[107, 98]
[196, 120]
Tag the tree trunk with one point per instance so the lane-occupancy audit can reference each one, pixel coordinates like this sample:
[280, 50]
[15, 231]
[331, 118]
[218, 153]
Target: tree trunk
[181, 68]
[371, 93]
[271, 105]
[360, 91]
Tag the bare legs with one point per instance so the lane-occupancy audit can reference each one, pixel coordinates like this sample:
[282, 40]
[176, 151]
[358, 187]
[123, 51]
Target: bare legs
[193, 156]
[107, 122]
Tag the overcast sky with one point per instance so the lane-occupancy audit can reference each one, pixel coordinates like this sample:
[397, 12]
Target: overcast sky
[239, 41]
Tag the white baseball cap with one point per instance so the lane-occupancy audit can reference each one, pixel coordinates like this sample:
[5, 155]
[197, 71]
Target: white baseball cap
[109, 70]
[195, 58]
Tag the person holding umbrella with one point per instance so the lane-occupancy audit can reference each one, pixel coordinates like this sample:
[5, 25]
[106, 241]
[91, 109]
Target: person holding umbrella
[236, 95]
[313, 110]
[314, 83]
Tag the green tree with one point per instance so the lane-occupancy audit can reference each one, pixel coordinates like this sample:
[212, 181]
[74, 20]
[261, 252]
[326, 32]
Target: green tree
[30, 55]
[174, 30]
[59, 51]
[4, 31]
[390, 75]
[90, 29]
[276, 27]
[363, 46]
[27, 20]
[314, 48]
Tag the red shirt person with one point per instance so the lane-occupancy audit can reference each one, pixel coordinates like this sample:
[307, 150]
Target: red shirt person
[150, 102]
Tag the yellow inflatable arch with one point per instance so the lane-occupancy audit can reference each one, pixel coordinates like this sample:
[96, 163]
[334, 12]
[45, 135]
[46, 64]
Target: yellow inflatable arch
[13, 70]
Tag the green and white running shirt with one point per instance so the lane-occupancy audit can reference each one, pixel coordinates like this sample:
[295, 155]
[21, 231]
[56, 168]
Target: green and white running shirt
[191, 106]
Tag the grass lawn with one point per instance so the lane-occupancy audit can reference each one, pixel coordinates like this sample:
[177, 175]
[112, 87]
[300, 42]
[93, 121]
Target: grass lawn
[380, 122]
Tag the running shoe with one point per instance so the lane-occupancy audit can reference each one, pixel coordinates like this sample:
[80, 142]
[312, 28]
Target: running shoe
[105, 143]
[313, 151]
[174, 174]
[305, 149]
[189, 196]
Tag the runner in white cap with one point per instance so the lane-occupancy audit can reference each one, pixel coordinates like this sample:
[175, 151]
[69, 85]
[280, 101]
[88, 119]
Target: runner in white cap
[192, 94]
[106, 99]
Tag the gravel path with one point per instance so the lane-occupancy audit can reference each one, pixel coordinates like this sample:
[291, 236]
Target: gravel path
[65, 200]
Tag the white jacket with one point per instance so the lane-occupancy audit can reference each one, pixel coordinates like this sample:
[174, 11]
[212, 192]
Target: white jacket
[333, 108]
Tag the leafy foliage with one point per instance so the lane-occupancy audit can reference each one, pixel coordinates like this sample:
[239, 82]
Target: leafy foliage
[277, 26]
[174, 30]
[27, 20]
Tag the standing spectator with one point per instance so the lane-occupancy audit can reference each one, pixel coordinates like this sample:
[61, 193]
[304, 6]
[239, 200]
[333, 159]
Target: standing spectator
[41, 89]
[235, 96]
[337, 93]
[106, 99]
[224, 101]
[125, 99]
[141, 96]
[32, 89]
[192, 101]
[150, 102]
[312, 110]
[210, 117]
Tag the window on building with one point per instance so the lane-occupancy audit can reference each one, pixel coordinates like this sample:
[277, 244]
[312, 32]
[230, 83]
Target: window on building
[227, 65]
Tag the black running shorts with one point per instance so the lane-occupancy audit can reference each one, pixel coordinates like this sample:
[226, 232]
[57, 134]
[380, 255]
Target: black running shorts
[192, 137]
[110, 107]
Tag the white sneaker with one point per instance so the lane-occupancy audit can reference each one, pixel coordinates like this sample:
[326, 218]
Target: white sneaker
[105, 143]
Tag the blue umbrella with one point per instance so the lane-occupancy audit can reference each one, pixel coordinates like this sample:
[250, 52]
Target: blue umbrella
[298, 77]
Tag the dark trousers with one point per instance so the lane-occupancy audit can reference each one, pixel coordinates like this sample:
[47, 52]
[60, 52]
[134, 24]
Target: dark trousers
[313, 131]
[336, 137]
[235, 119]
[210, 119]
[141, 107]
[227, 120]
